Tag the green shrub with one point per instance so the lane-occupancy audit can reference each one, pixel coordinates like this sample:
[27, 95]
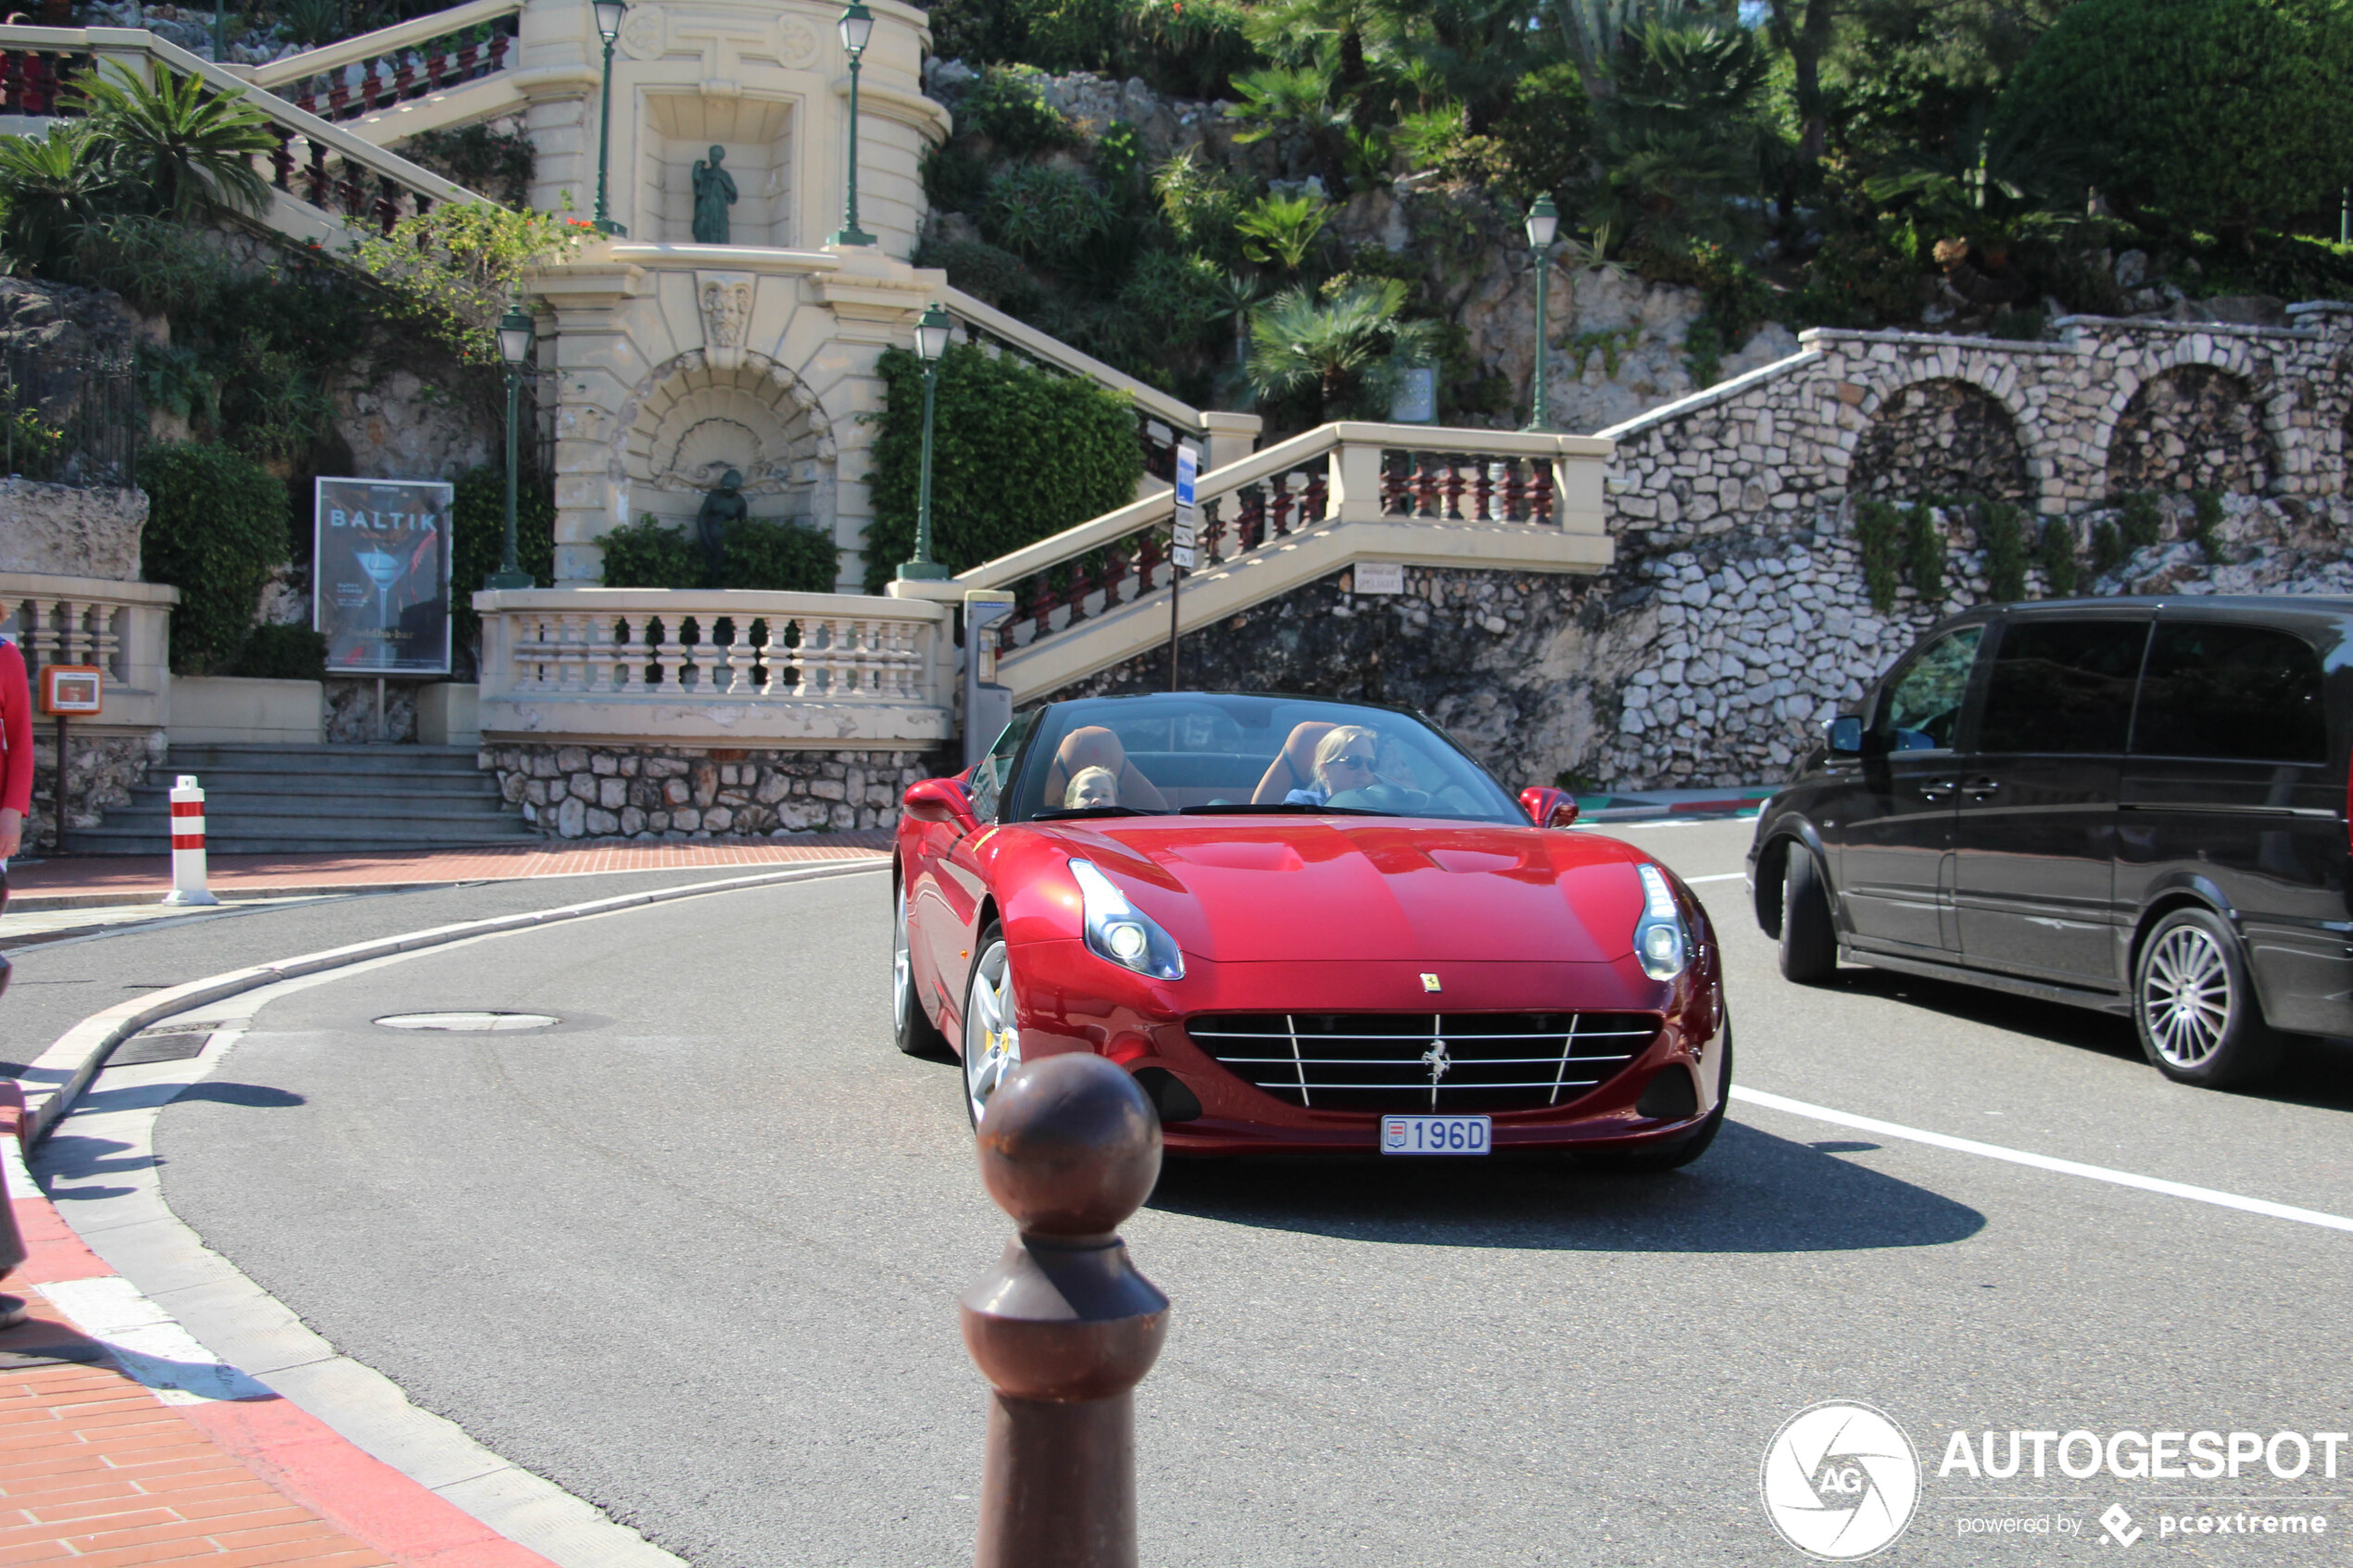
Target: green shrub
[2108, 550]
[1018, 454]
[954, 179]
[780, 556]
[478, 538]
[1041, 213]
[1190, 48]
[1007, 107]
[216, 530]
[1924, 555]
[1877, 525]
[996, 276]
[283, 653]
[650, 554]
[2000, 534]
[1202, 203]
[1178, 299]
[2222, 115]
[481, 158]
[2139, 520]
[2055, 555]
[2208, 528]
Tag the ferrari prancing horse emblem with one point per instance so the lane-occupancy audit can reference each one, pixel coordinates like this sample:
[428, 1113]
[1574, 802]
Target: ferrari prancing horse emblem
[1429, 983]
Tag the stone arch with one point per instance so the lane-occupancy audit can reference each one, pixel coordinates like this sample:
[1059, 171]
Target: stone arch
[688, 421]
[1943, 436]
[2192, 426]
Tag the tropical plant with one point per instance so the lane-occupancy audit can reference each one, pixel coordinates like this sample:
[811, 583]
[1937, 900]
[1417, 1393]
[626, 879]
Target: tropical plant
[1299, 340]
[52, 185]
[1177, 298]
[1201, 203]
[1283, 229]
[457, 268]
[186, 146]
[311, 22]
[2002, 182]
[1043, 213]
[1008, 107]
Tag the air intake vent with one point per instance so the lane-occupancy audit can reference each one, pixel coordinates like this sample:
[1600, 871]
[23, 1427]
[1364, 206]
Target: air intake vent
[1456, 1062]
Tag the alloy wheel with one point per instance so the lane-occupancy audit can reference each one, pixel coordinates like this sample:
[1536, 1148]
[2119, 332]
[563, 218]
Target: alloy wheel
[993, 1042]
[2185, 995]
[902, 973]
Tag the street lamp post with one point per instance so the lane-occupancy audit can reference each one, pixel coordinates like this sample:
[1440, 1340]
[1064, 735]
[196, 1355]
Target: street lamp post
[1543, 221]
[857, 31]
[609, 15]
[931, 342]
[514, 348]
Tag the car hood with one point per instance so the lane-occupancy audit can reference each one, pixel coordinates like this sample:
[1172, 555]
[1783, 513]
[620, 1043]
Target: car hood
[1310, 889]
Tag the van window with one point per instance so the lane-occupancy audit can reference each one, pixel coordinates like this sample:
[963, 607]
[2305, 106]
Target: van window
[2231, 693]
[1923, 704]
[2063, 686]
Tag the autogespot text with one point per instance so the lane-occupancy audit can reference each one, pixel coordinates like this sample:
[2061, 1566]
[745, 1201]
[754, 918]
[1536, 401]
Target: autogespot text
[2139, 1456]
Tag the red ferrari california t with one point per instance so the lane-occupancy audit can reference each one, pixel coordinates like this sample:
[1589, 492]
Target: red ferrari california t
[1306, 927]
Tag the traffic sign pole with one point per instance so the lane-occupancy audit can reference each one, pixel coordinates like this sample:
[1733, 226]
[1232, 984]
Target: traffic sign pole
[1184, 538]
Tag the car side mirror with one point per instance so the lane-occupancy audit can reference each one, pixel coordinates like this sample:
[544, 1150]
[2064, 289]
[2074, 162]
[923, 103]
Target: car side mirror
[940, 800]
[1549, 808]
[1845, 735]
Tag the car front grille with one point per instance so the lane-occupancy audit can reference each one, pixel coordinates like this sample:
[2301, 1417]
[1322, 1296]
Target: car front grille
[1393, 1061]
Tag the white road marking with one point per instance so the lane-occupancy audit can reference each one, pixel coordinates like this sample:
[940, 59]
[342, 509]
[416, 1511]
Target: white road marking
[1721, 876]
[2045, 1163]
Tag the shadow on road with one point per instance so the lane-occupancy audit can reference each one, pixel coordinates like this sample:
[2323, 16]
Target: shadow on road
[1752, 1193]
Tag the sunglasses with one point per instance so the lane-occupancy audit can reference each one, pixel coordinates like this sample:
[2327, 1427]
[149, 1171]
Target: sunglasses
[1363, 764]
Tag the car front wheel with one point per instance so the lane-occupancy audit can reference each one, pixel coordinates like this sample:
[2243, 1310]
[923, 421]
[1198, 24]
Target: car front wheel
[2194, 1007]
[913, 1031]
[992, 1039]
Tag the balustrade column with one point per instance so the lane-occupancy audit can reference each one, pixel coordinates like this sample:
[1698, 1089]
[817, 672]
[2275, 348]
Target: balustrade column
[1452, 486]
[1541, 508]
[740, 659]
[1482, 488]
[1426, 487]
[1515, 492]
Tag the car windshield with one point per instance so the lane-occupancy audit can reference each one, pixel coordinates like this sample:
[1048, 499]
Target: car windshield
[1216, 754]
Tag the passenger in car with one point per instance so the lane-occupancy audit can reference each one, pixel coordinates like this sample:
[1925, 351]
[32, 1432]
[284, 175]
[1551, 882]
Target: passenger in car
[1344, 760]
[1091, 786]
[1091, 746]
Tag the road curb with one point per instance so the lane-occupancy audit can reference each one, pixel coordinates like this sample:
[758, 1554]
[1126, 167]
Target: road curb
[57, 1077]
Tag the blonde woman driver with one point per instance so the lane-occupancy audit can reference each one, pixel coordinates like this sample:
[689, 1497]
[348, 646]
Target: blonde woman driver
[1343, 761]
[1091, 786]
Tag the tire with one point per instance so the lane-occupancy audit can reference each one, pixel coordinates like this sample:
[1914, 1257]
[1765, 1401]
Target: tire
[2194, 1004]
[912, 1030]
[1673, 1156]
[1809, 941]
[993, 1042]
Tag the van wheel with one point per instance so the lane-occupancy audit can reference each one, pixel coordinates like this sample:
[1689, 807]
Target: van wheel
[1809, 942]
[2193, 1005]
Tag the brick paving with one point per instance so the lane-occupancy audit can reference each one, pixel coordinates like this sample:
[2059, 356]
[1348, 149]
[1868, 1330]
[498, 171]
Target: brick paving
[74, 881]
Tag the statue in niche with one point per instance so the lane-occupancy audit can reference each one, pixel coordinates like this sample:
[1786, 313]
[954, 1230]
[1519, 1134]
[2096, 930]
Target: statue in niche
[714, 194]
[720, 507]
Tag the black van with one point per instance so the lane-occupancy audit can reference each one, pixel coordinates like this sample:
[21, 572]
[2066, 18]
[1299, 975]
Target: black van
[2136, 805]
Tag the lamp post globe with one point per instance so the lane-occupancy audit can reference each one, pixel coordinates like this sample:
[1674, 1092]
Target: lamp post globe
[514, 349]
[857, 26]
[1544, 223]
[932, 332]
[608, 14]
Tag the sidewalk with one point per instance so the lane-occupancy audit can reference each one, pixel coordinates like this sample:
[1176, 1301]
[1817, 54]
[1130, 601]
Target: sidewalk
[96, 881]
[125, 1447]
[1652, 805]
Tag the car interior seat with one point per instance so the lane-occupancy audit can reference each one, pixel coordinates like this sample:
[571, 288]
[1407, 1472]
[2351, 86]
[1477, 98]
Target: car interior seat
[1094, 746]
[1294, 766]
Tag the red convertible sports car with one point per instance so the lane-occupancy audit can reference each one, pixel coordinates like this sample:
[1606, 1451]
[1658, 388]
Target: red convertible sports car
[1306, 927]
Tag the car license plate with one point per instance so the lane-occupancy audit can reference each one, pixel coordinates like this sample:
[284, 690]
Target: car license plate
[1434, 1135]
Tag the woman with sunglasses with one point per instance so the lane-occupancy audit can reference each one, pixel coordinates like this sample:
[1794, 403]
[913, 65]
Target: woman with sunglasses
[1344, 760]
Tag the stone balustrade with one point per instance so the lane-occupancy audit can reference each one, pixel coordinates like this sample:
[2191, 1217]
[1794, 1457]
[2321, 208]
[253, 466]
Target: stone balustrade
[720, 668]
[365, 75]
[123, 628]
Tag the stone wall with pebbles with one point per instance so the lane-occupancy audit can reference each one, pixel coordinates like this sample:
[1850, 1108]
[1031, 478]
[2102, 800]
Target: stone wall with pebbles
[655, 792]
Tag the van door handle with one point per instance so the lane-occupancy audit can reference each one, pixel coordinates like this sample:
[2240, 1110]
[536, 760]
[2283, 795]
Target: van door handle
[1938, 789]
[1983, 789]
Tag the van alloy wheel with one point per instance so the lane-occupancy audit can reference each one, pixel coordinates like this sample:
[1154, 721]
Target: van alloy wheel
[2185, 991]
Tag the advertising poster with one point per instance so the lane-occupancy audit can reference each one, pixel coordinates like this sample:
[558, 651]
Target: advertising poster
[382, 562]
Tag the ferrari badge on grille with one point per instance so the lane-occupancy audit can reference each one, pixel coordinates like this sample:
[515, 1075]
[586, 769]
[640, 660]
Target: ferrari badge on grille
[1429, 983]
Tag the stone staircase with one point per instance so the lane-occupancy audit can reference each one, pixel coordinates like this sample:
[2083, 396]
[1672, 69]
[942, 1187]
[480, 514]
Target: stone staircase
[310, 800]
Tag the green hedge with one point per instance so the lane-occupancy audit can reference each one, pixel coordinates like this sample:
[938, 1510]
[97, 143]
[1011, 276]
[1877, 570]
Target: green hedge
[283, 653]
[478, 541]
[1019, 454]
[761, 553]
[216, 530]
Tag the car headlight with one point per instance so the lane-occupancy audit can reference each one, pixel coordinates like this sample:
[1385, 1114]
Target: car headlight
[1660, 942]
[1120, 932]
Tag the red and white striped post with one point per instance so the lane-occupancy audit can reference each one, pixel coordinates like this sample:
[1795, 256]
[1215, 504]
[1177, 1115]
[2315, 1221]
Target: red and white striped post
[187, 844]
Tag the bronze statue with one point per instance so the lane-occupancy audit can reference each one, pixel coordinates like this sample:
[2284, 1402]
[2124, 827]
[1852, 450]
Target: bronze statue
[720, 507]
[714, 194]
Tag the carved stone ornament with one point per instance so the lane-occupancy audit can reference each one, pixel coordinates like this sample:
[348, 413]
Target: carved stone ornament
[724, 299]
[795, 44]
[645, 33]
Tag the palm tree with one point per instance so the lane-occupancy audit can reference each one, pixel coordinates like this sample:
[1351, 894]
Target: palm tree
[50, 185]
[187, 144]
[1296, 340]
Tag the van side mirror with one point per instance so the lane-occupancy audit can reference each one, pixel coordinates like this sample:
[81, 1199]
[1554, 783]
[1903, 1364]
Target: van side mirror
[1547, 806]
[1845, 735]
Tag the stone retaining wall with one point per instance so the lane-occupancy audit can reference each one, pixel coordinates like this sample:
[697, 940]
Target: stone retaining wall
[656, 792]
[100, 771]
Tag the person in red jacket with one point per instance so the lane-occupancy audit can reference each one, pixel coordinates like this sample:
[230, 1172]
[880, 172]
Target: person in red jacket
[16, 753]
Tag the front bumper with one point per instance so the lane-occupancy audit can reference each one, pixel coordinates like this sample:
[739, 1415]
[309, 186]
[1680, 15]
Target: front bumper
[1071, 1000]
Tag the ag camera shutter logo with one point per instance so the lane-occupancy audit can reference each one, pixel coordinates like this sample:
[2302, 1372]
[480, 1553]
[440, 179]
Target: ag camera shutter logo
[1840, 1481]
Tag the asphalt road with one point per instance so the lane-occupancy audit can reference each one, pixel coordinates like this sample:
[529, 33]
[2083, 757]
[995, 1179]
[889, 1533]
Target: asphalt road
[693, 1256]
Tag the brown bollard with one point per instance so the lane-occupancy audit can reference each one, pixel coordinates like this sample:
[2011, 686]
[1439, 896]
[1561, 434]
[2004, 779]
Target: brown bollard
[1065, 1327]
